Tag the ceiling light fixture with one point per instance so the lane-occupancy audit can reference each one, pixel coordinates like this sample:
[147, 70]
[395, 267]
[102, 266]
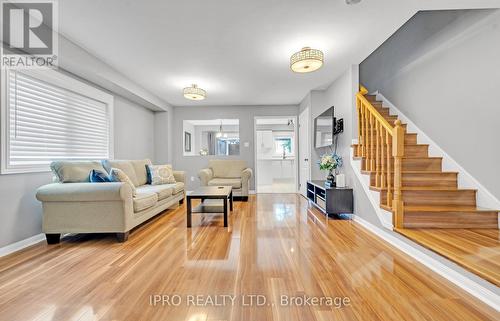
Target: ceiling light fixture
[194, 93]
[306, 60]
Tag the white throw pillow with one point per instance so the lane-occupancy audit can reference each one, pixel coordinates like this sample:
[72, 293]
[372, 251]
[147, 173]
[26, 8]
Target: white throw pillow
[161, 174]
[117, 175]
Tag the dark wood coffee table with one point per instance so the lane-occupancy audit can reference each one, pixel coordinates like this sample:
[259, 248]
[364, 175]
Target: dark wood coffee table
[224, 193]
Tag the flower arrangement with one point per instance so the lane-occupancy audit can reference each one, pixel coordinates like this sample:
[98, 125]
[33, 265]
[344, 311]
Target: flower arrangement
[330, 162]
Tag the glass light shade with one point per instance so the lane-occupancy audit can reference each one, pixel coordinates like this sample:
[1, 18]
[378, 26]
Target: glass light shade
[194, 93]
[306, 60]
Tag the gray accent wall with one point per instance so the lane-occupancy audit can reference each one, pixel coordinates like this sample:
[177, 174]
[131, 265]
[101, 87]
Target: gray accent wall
[134, 129]
[246, 114]
[442, 70]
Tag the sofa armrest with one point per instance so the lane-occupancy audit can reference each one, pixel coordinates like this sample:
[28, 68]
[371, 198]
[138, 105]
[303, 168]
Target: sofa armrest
[84, 192]
[246, 174]
[180, 176]
[205, 175]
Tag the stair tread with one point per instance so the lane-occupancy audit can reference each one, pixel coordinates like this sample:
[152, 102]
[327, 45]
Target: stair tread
[476, 250]
[356, 145]
[448, 209]
[411, 157]
[417, 172]
[427, 188]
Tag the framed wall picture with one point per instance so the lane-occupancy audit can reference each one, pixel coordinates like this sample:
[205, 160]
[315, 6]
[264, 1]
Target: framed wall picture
[187, 142]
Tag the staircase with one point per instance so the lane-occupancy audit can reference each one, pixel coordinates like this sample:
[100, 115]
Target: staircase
[426, 202]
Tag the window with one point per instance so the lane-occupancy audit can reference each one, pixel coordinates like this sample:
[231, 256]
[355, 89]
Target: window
[47, 116]
[283, 145]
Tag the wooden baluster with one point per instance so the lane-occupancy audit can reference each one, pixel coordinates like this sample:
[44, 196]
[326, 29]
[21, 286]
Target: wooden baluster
[377, 153]
[372, 147]
[369, 146]
[398, 146]
[389, 178]
[362, 124]
[368, 143]
[360, 135]
[383, 133]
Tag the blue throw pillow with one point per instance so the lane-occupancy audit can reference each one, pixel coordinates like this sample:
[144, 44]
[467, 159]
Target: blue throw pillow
[99, 177]
[149, 178]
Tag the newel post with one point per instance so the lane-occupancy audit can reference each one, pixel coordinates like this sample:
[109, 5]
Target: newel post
[398, 151]
[359, 150]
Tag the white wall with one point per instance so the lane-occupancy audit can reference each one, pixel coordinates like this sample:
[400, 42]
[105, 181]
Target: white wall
[442, 70]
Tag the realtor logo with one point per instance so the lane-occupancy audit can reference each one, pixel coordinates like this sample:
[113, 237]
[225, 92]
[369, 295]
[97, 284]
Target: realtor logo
[29, 34]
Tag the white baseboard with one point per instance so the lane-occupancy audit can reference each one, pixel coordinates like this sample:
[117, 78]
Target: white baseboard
[470, 286]
[252, 192]
[14, 247]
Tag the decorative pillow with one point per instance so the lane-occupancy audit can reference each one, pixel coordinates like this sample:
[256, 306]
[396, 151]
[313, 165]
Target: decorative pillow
[160, 174]
[125, 165]
[97, 176]
[74, 171]
[117, 175]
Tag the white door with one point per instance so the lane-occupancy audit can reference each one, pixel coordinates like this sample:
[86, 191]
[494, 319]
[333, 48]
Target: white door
[304, 151]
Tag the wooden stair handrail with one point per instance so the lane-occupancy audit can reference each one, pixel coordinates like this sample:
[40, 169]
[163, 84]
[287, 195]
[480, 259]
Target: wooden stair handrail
[372, 126]
[374, 111]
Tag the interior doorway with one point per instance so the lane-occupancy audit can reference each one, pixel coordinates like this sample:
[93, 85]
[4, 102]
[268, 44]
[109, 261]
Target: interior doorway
[304, 151]
[276, 154]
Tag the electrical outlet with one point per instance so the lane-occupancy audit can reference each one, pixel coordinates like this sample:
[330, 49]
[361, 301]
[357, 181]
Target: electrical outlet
[192, 178]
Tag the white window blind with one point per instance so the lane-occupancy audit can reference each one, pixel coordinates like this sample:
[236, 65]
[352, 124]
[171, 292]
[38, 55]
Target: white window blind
[47, 122]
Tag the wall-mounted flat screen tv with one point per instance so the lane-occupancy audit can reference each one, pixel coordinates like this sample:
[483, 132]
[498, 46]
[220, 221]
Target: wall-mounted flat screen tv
[324, 129]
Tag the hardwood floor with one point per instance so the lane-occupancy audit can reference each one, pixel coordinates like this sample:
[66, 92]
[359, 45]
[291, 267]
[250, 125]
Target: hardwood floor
[275, 246]
[477, 250]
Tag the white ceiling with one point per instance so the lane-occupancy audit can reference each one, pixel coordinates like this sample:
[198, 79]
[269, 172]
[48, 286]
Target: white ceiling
[237, 50]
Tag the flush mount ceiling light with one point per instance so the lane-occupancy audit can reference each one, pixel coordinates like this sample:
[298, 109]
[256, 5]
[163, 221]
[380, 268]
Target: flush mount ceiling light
[194, 93]
[306, 60]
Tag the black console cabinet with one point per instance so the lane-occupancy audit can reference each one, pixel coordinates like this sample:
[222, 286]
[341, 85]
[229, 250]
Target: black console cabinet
[330, 200]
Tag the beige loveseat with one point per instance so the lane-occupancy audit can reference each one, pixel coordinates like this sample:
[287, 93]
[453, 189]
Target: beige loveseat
[74, 205]
[233, 173]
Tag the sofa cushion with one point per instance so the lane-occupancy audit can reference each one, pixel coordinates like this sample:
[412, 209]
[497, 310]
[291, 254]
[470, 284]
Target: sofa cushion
[117, 175]
[74, 171]
[140, 170]
[177, 187]
[227, 168]
[125, 166]
[144, 201]
[160, 174]
[163, 191]
[234, 182]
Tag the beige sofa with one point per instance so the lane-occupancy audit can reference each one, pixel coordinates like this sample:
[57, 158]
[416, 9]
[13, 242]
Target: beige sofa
[74, 205]
[233, 173]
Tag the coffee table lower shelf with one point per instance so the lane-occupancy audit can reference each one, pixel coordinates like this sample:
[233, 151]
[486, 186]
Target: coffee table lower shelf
[214, 200]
